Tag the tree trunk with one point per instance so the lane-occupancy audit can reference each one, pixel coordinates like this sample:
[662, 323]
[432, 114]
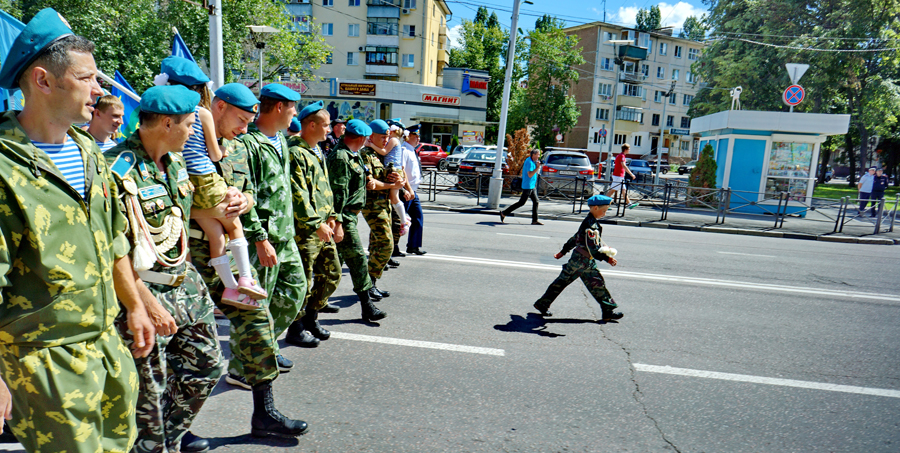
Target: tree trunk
[863, 146]
[851, 154]
[823, 167]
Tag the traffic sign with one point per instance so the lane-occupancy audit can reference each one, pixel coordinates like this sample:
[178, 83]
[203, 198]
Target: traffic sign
[793, 95]
[603, 132]
[795, 71]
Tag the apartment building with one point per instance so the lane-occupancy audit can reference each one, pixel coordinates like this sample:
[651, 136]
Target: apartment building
[651, 63]
[395, 40]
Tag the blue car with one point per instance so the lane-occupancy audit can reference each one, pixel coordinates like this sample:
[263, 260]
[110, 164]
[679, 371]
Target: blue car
[641, 169]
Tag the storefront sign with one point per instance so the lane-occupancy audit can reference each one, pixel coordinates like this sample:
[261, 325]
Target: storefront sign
[674, 131]
[470, 137]
[473, 85]
[357, 89]
[442, 100]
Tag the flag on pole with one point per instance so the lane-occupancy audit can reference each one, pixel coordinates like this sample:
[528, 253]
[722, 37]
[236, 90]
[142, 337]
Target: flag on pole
[10, 27]
[132, 108]
[179, 48]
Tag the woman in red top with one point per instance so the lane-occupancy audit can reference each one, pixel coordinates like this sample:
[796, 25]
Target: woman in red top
[618, 177]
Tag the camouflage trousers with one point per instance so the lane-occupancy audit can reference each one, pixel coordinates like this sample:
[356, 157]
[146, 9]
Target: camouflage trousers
[252, 337]
[381, 240]
[181, 370]
[585, 268]
[76, 397]
[323, 270]
[286, 284]
[351, 252]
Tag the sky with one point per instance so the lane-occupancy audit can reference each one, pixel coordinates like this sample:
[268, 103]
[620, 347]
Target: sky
[576, 12]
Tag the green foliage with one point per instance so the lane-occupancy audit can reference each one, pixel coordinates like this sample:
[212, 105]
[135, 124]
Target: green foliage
[547, 23]
[648, 19]
[454, 142]
[694, 28]
[704, 173]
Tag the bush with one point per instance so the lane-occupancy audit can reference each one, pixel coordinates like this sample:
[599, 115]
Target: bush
[704, 174]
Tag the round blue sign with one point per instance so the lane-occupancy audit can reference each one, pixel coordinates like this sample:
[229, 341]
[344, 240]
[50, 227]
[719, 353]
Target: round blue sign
[793, 95]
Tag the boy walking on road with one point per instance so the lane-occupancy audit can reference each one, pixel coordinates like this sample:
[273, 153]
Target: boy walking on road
[618, 177]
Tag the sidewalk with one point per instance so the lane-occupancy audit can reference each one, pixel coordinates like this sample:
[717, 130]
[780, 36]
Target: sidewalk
[815, 226]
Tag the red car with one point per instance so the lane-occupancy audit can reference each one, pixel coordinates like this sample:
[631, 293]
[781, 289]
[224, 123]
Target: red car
[431, 155]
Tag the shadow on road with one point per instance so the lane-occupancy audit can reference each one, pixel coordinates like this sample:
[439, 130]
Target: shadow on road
[536, 324]
[488, 223]
[247, 439]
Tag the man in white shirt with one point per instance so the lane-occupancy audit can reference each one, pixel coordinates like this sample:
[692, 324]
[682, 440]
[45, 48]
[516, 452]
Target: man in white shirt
[106, 119]
[413, 169]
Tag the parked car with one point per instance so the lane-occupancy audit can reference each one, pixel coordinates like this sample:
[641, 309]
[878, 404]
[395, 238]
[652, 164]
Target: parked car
[460, 153]
[479, 162]
[663, 166]
[430, 155]
[561, 168]
[687, 168]
[829, 173]
[640, 169]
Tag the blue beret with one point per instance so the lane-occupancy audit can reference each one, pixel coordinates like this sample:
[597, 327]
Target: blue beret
[183, 71]
[170, 100]
[44, 29]
[239, 96]
[396, 122]
[310, 109]
[359, 127]
[379, 127]
[599, 200]
[279, 92]
[295, 125]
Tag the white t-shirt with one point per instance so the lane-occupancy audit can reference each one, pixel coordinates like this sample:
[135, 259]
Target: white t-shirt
[410, 163]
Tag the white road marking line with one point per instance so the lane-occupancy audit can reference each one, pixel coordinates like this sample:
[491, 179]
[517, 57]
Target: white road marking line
[746, 254]
[524, 236]
[767, 380]
[418, 344]
[832, 293]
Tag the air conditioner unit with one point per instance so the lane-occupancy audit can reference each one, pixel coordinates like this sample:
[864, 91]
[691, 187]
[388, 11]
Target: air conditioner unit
[360, 48]
[405, 11]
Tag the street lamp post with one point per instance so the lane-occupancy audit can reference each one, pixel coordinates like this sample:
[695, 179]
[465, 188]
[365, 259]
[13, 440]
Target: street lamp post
[259, 32]
[661, 136]
[496, 184]
[607, 171]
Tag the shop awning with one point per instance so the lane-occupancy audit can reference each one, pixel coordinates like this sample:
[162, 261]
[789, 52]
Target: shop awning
[431, 119]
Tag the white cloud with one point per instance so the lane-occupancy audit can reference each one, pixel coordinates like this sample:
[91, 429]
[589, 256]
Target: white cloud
[597, 11]
[672, 15]
[453, 35]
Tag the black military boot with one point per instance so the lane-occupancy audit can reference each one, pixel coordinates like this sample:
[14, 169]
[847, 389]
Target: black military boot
[393, 263]
[369, 311]
[380, 292]
[373, 293]
[397, 252]
[609, 315]
[330, 308]
[267, 420]
[193, 444]
[311, 323]
[545, 311]
[298, 336]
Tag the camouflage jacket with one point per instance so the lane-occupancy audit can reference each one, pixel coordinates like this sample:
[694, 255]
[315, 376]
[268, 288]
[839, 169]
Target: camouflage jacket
[377, 170]
[313, 200]
[56, 248]
[347, 177]
[582, 243]
[235, 170]
[272, 216]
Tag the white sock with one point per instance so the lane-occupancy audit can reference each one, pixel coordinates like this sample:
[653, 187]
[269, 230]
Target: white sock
[400, 210]
[223, 267]
[238, 249]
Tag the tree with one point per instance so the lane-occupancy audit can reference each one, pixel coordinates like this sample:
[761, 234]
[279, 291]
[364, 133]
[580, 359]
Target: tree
[694, 28]
[546, 102]
[518, 148]
[704, 173]
[648, 19]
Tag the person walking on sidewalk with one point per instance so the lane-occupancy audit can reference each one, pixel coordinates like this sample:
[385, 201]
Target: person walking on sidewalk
[879, 183]
[529, 181]
[865, 189]
[618, 177]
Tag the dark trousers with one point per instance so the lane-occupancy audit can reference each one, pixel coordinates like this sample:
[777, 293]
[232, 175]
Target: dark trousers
[414, 210]
[526, 193]
[864, 198]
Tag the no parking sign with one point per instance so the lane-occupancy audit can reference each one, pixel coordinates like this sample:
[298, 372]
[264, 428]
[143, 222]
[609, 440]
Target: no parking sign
[793, 95]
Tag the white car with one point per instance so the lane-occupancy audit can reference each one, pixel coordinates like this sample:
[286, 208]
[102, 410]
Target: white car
[460, 153]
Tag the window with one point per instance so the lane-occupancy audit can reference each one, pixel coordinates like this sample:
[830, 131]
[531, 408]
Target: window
[685, 122]
[602, 114]
[629, 89]
[644, 40]
[353, 30]
[655, 120]
[660, 72]
[645, 69]
[383, 26]
[670, 121]
[302, 23]
[409, 31]
[685, 145]
[625, 35]
[675, 73]
[672, 98]
[610, 36]
[619, 139]
[605, 89]
[352, 59]
[606, 64]
[790, 169]
[657, 97]
[650, 46]
[690, 77]
[630, 114]
[327, 2]
[693, 54]
[432, 66]
[381, 55]
[327, 29]
[432, 39]
[354, 2]
[409, 4]
[663, 48]
[637, 140]
[409, 60]
[329, 57]
[688, 99]
[677, 51]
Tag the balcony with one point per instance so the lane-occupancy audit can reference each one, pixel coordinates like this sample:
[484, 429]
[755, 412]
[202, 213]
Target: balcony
[378, 69]
[630, 52]
[632, 77]
[630, 114]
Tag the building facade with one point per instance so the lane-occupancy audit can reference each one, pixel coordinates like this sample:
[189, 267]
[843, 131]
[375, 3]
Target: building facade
[396, 40]
[637, 98]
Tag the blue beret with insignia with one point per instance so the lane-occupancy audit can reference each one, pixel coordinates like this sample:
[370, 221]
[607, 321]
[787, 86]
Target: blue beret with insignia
[183, 71]
[379, 127]
[599, 200]
[396, 122]
[44, 29]
[359, 127]
[279, 92]
[170, 100]
[295, 125]
[239, 96]
[310, 109]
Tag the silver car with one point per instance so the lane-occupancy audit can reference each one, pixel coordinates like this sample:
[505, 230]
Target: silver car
[460, 153]
[560, 169]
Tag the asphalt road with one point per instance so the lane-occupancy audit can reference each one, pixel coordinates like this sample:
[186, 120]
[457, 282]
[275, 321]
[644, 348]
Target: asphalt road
[773, 345]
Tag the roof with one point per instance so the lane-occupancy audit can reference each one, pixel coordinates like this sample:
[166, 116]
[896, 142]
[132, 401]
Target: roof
[802, 123]
[623, 27]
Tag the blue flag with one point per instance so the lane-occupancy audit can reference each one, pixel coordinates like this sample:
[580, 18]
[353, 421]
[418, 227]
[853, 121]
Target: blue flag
[179, 48]
[10, 27]
[132, 108]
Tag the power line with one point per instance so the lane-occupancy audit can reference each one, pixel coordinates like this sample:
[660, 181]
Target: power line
[809, 49]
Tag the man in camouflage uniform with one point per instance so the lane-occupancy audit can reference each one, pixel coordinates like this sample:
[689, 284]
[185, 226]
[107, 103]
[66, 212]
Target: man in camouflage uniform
[347, 178]
[63, 258]
[283, 276]
[377, 210]
[253, 364]
[184, 366]
[313, 220]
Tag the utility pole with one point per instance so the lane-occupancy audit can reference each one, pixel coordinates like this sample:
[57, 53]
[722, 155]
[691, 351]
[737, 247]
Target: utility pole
[216, 54]
[661, 136]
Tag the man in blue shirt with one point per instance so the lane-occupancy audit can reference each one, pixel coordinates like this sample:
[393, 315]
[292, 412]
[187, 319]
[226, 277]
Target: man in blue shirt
[529, 180]
[865, 189]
